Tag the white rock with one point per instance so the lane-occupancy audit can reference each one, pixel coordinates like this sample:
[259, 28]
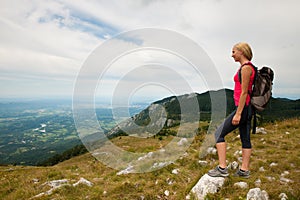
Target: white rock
[285, 173]
[262, 169]
[183, 142]
[57, 183]
[257, 183]
[128, 170]
[188, 197]
[257, 194]
[185, 154]
[287, 133]
[273, 164]
[167, 193]
[261, 130]
[175, 171]
[169, 181]
[270, 178]
[283, 196]
[148, 155]
[38, 195]
[35, 180]
[237, 153]
[240, 159]
[286, 180]
[83, 181]
[161, 164]
[234, 165]
[212, 150]
[265, 195]
[203, 162]
[242, 185]
[170, 122]
[207, 184]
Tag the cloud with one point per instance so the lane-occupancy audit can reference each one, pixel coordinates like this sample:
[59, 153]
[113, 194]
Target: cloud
[38, 41]
[44, 41]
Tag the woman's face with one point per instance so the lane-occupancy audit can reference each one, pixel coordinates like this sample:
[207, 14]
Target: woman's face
[236, 54]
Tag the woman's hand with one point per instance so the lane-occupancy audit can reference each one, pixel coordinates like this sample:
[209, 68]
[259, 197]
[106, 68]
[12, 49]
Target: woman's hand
[236, 119]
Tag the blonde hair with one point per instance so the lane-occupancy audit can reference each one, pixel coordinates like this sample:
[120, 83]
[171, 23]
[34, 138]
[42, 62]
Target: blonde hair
[245, 49]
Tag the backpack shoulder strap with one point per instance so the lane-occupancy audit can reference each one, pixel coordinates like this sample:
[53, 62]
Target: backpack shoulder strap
[240, 70]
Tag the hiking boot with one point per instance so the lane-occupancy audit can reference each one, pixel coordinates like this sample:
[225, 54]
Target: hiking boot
[243, 174]
[217, 172]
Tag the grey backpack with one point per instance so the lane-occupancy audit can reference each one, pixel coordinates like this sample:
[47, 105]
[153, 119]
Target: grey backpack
[261, 90]
[262, 87]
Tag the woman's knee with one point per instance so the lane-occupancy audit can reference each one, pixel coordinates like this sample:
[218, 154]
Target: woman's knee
[246, 144]
[220, 139]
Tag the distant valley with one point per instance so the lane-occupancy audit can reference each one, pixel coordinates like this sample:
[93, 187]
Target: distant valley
[33, 131]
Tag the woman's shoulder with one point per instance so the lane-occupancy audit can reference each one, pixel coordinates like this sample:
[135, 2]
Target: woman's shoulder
[247, 67]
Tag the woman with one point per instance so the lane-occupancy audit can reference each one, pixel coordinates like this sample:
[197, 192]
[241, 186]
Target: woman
[241, 117]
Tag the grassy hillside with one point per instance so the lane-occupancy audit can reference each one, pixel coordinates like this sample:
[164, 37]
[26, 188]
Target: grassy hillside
[279, 146]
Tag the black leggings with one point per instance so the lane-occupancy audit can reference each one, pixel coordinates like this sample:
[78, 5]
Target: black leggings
[244, 127]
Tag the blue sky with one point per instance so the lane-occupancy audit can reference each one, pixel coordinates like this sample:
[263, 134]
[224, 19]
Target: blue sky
[44, 44]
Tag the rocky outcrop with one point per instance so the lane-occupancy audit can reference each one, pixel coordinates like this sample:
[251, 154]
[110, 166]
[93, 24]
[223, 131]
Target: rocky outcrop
[242, 185]
[56, 184]
[207, 184]
[257, 194]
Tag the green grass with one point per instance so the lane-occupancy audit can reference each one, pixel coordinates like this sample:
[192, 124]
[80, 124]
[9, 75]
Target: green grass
[16, 182]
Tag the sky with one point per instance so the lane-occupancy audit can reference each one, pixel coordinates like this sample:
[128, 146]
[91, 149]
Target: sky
[45, 44]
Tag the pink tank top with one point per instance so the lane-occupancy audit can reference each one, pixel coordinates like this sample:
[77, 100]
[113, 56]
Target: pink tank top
[238, 87]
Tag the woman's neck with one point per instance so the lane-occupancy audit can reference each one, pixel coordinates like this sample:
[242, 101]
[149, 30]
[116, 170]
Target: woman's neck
[243, 61]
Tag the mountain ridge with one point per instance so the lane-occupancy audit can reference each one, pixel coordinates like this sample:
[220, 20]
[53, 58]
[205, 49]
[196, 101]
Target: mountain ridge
[277, 109]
